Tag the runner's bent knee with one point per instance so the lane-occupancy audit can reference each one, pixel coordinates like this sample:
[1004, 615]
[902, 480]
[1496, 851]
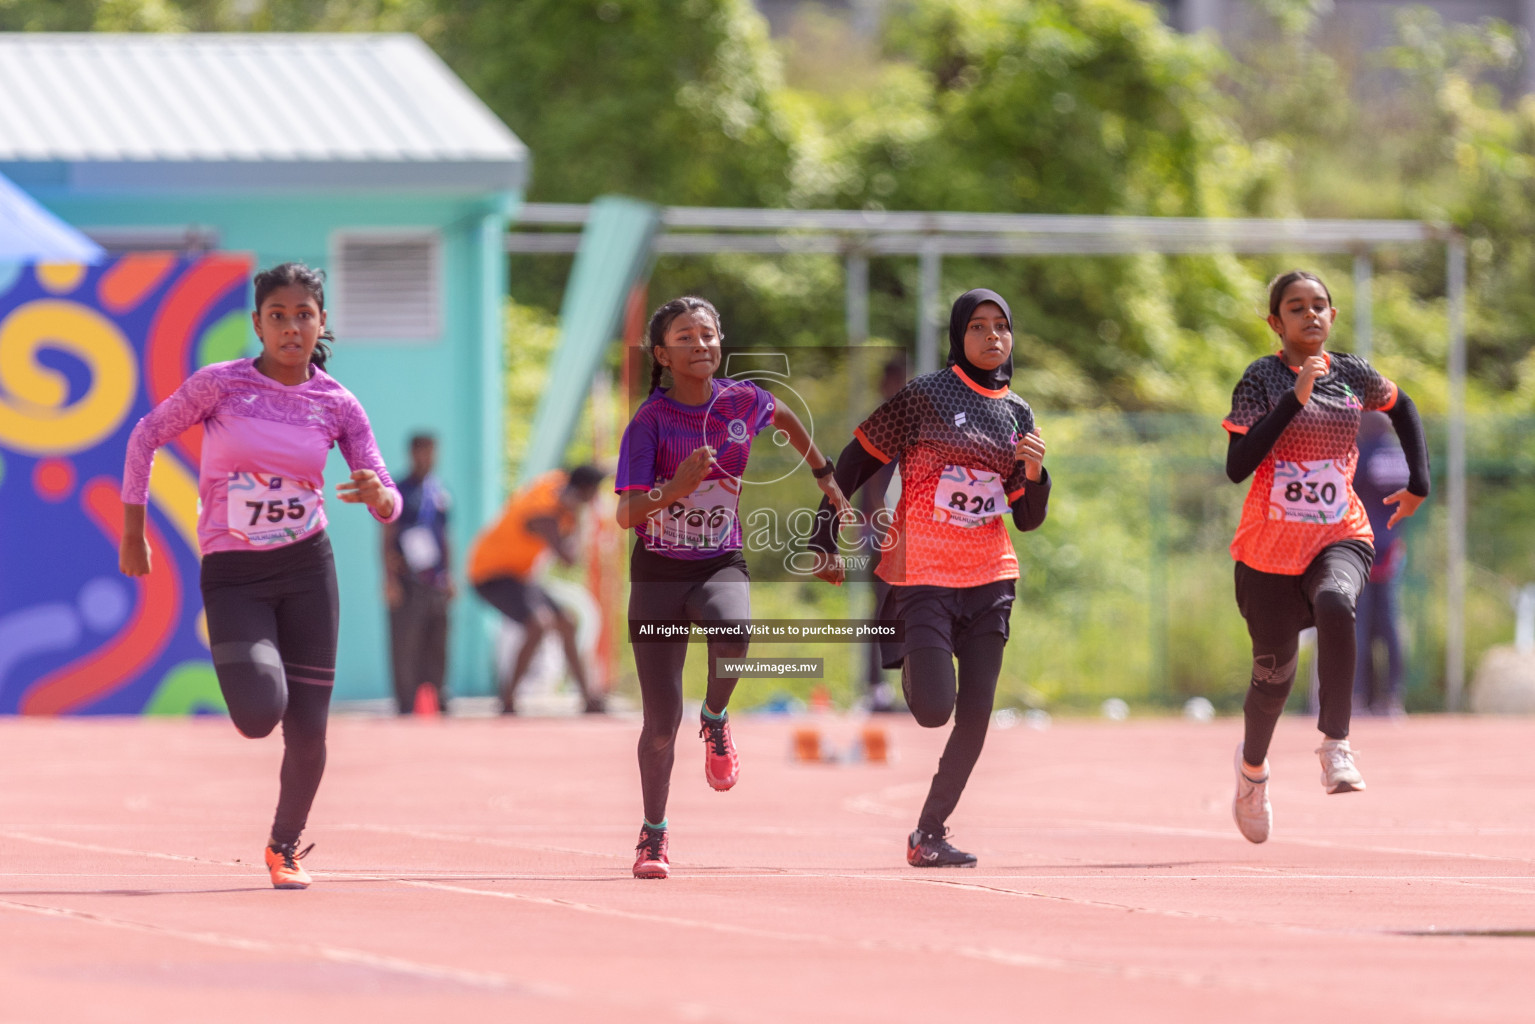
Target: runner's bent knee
[251, 678]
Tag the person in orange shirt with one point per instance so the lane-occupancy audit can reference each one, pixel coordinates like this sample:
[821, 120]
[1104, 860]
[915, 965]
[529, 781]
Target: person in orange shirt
[1303, 547]
[539, 521]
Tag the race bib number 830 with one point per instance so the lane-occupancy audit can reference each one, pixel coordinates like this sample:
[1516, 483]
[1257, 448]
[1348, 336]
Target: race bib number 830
[1308, 492]
[265, 510]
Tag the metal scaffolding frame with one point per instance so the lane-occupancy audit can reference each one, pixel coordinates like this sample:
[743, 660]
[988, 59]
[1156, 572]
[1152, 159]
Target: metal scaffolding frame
[856, 235]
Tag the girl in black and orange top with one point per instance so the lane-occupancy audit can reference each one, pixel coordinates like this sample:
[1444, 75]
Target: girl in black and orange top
[968, 453]
[1303, 547]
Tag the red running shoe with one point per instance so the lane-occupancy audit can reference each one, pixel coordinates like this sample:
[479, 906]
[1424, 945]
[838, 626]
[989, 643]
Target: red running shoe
[721, 766]
[650, 854]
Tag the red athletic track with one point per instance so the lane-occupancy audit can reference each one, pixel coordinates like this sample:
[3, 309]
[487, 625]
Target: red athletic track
[478, 870]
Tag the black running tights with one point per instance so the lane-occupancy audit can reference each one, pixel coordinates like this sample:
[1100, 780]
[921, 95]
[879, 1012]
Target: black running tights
[1277, 608]
[934, 694]
[272, 622]
[723, 597]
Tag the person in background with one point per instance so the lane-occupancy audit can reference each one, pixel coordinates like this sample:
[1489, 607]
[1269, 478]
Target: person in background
[418, 580]
[507, 558]
[1382, 472]
[879, 695]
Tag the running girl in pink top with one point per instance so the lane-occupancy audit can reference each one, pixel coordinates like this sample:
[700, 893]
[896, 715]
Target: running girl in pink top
[268, 576]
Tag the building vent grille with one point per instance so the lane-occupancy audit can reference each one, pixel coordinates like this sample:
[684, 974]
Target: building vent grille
[387, 286]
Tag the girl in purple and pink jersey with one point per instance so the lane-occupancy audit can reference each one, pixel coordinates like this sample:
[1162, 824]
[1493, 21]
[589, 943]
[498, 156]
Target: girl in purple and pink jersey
[268, 577]
[679, 484]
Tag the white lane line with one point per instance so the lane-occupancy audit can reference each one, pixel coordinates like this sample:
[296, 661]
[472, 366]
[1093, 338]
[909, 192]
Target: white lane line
[792, 874]
[1260, 872]
[290, 950]
[459, 837]
[1008, 958]
[75, 844]
[1327, 844]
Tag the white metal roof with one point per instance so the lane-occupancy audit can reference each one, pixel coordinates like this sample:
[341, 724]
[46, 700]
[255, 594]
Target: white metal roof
[241, 110]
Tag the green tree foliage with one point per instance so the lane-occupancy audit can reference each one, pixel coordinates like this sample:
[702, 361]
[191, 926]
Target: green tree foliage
[668, 100]
[1059, 106]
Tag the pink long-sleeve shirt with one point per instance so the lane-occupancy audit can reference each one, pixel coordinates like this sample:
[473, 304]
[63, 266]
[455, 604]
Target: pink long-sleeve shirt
[261, 483]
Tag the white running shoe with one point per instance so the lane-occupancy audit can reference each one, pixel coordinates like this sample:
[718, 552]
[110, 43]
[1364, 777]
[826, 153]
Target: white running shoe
[1339, 773]
[1254, 816]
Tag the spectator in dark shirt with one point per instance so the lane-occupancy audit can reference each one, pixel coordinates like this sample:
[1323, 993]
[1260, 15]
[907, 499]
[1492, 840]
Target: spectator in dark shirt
[1382, 470]
[418, 581]
[879, 695]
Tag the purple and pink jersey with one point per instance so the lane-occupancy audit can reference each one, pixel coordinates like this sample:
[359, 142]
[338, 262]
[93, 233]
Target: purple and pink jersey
[261, 482]
[663, 433]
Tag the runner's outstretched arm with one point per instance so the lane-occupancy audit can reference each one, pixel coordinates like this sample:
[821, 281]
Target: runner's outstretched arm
[1247, 450]
[855, 466]
[1409, 430]
[1032, 505]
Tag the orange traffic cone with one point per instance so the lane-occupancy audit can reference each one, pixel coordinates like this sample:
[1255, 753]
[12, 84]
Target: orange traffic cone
[876, 744]
[807, 744]
[426, 701]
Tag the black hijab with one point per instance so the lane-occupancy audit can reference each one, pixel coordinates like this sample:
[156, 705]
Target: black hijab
[959, 321]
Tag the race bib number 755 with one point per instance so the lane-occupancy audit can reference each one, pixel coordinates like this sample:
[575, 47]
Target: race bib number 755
[266, 510]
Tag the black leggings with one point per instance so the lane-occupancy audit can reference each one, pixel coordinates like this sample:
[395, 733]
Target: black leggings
[933, 694]
[721, 593]
[272, 622]
[1277, 608]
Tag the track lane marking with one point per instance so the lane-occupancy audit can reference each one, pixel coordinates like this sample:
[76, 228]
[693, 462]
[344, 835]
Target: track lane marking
[1009, 958]
[479, 840]
[287, 950]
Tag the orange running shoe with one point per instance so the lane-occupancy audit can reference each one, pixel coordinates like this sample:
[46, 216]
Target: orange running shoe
[721, 765]
[283, 862]
[650, 854]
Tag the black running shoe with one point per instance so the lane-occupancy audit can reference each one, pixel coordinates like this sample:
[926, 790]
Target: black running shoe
[932, 850]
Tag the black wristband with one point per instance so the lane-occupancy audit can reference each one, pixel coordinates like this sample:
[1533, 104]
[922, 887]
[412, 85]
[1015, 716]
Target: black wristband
[827, 469]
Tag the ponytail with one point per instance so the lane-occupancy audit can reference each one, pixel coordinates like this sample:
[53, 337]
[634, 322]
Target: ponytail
[322, 350]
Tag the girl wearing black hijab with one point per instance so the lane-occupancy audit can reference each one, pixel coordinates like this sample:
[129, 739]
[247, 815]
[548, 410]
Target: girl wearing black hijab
[968, 452]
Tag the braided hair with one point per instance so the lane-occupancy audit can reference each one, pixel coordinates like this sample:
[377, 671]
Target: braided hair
[307, 278]
[662, 318]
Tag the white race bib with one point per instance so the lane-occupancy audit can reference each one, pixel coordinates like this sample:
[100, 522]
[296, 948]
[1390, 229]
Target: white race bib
[419, 545]
[704, 518]
[266, 510]
[968, 497]
[1308, 492]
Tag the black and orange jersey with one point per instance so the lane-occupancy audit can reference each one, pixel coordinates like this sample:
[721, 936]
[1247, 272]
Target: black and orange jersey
[1302, 496]
[956, 444]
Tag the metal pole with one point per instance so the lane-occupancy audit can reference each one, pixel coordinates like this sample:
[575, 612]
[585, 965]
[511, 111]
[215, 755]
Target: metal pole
[927, 308]
[1157, 580]
[1364, 276]
[857, 298]
[1455, 574]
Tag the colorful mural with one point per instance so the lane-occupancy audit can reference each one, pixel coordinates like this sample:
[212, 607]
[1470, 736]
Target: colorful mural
[84, 352]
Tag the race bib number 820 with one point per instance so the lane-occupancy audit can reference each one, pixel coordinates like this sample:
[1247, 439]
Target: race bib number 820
[968, 497]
